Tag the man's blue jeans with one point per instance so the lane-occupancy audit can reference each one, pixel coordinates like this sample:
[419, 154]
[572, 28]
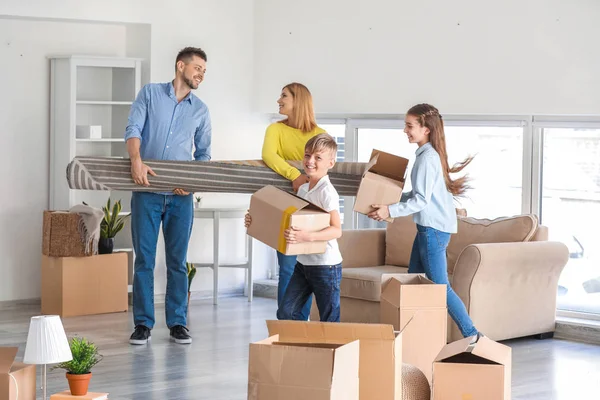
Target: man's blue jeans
[322, 280]
[176, 213]
[429, 256]
[286, 269]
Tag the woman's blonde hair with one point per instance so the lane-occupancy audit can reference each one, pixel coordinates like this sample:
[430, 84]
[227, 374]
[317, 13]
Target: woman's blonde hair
[429, 116]
[303, 116]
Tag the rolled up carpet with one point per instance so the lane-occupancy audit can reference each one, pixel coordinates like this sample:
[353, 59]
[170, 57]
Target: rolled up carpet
[247, 176]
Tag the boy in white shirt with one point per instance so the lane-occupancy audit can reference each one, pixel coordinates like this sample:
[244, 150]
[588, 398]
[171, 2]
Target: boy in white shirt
[320, 274]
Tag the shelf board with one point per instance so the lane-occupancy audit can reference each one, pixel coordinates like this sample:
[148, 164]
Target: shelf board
[105, 103]
[106, 140]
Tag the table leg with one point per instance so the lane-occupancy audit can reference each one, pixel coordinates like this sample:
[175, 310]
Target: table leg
[250, 283]
[216, 256]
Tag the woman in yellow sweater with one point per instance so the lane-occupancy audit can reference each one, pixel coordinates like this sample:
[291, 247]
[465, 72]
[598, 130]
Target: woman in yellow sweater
[285, 140]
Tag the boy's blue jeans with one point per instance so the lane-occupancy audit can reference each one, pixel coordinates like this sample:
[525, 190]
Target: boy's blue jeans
[429, 256]
[176, 213]
[287, 264]
[323, 281]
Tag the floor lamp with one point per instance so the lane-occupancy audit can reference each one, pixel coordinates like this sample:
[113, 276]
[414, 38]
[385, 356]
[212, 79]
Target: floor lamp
[46, 344]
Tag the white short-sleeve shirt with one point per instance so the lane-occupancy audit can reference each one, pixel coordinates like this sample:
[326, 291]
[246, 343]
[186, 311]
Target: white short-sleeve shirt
[325, 196]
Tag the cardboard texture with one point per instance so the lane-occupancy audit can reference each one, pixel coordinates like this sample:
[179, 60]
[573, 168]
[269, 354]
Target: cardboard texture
[466, 370]
[84, 285]
[23, 374]
[380, 360]
[66, 395]
[60, 235]
[382, 182]
[274, 210]
[413, 296]
[299, 371]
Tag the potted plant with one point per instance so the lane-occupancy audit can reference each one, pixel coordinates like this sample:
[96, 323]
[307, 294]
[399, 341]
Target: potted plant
[111, 224]
[79, 369]
[191, 272]
[197, 202]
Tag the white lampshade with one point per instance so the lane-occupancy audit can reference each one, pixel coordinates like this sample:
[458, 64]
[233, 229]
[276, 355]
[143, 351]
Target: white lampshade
[46, 342]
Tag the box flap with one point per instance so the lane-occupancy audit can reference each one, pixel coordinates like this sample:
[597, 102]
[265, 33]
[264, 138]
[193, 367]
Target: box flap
[391, 285]
[484, 348]
[388, 165]
[279, 199]
[328, 332]
[7, 357]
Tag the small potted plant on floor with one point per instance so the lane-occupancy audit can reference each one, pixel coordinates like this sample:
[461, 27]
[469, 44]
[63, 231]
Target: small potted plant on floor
[111, 224]
[191, 272]
[79, 369]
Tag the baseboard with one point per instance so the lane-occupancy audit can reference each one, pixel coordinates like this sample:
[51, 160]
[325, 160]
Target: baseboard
[580, 330]
[198, 295]
[8, 305]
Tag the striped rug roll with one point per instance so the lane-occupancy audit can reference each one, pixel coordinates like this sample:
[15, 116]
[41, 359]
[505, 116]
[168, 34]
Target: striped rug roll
[106, 173]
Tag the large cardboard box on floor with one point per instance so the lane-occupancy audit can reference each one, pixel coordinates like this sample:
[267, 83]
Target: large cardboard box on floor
[380, 360]
[413, 297]
[382, 181]
[15, 376]
[298, 371]
[274, 210]
[84, 285]
[467, 370]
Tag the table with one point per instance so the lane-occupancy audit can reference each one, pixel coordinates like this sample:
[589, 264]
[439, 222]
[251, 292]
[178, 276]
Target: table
[216, 214]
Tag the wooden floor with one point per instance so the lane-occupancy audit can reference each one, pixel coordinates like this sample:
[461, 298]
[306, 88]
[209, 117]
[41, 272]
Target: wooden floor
[215, 366]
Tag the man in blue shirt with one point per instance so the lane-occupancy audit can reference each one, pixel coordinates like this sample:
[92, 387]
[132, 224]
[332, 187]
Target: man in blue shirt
[166, 122]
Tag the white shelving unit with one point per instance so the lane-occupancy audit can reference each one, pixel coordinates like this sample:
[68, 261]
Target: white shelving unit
[90, 90]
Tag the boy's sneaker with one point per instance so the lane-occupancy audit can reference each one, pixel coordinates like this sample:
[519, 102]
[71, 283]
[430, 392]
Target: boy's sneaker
[140, 335]
[179, 334]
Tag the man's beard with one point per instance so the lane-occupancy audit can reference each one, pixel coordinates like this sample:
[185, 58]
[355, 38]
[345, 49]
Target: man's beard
[190, 83]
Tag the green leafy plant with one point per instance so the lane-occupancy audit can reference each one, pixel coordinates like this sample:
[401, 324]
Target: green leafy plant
[112, 222]
[85, 357]
[198, 199]
[191, 272]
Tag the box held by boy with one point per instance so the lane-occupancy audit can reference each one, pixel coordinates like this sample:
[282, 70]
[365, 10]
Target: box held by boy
[382, 182]
[274, 210]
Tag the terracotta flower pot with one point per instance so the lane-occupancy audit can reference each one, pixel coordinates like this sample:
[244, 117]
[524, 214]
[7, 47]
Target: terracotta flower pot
[78, 384]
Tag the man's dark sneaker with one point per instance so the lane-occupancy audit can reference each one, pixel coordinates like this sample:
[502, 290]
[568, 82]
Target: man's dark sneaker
[140, 335]
[180, 334]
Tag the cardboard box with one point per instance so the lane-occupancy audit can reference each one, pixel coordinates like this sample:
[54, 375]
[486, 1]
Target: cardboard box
[299, 371]
[61, 236]
[466, 370]
[23, 374]
[274, 210]
[380, 360]
[84, 285]
[382, 182]
[413, 296]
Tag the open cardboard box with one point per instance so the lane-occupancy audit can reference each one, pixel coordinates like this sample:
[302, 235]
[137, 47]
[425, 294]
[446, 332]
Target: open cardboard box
[413, 297]
[278, 370]
[382, 182]
[15, 377]
[473, 370]
[380, 360]
[274, 210]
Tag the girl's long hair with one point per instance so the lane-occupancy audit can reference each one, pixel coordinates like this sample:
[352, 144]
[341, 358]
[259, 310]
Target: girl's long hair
[303, 117]
[429, 116]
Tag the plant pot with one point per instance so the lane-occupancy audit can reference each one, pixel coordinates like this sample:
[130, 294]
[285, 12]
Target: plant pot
[197, 204]
[78, 384]
[106, 245]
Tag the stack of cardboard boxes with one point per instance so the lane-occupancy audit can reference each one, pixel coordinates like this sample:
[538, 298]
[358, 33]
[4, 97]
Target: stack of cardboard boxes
[75, 282]
[315, 360]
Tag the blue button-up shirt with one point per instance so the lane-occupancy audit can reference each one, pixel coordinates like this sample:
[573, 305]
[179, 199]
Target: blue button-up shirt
[429, 201]
[169, 130]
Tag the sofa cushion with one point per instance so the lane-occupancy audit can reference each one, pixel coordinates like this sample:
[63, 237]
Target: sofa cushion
[520, 228]
[365, 283]
[399, 238]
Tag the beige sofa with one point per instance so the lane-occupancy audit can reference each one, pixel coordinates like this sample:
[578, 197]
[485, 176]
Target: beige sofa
[505, 271]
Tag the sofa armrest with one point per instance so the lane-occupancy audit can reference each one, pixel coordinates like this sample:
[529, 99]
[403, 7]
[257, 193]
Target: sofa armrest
[510, 289]
[362, 247]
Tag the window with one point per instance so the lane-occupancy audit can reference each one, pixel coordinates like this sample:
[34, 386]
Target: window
[570, 207]
[338, 131]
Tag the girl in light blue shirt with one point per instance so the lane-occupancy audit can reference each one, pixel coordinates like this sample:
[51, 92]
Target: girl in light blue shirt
[431, 204]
